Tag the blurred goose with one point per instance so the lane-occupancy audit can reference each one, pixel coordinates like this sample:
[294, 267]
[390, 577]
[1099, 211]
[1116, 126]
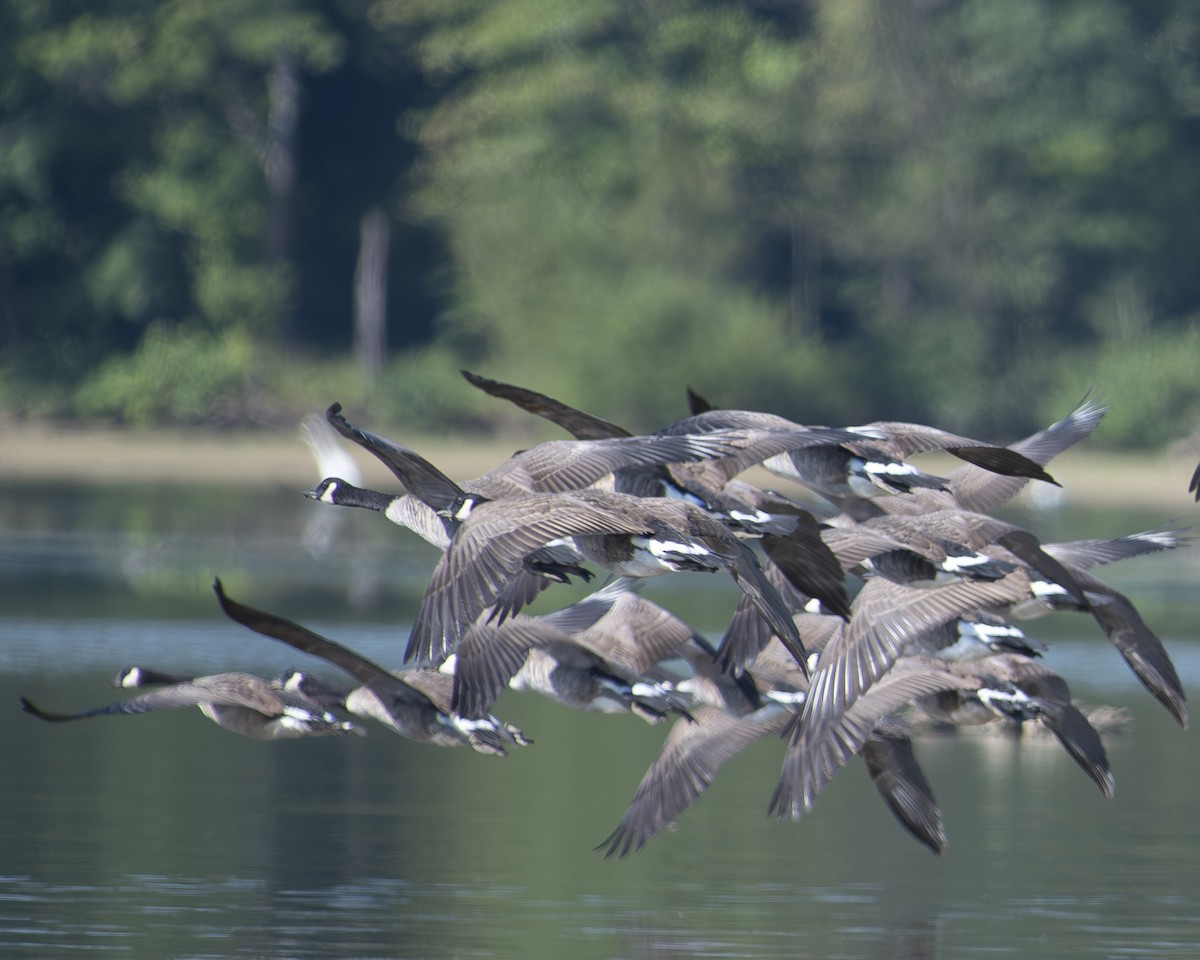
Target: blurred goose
[240, 702]
[416, 705]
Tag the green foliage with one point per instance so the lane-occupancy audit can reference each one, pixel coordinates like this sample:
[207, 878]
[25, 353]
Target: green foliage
[178, 375]
[424, 387]
[1151, 382]
[841, 210]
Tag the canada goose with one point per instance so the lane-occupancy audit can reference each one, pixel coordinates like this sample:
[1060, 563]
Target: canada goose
[415, 705]
[710, 484]
[869, 463]
[723, 725]
[240, 702]
[1138, 645]
[560, 466]
[817, 750]
[666, 464]
[1054, 583]
[1018, 690]
[840, 463]
[625, 535]
[957, 542]
[410, 706]
[553, 664]
[887, 617]
[974, 636]
[971, 487]
[556, 466]
[489, 549]
[584, 426]
[551, 563]
[1058, 577]
[597, 654]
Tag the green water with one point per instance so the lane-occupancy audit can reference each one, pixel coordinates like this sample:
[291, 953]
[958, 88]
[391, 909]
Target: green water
[163, 836]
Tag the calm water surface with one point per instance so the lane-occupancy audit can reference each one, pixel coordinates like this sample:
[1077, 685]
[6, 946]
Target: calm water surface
[163, 836]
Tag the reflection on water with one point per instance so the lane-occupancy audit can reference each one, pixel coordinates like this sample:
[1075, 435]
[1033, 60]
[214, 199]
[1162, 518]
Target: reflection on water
[163, 836]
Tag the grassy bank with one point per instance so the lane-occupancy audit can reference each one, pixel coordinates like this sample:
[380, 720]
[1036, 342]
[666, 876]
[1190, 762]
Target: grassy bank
[44, 452]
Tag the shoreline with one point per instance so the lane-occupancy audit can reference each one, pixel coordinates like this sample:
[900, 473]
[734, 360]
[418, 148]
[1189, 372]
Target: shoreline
[45, 453]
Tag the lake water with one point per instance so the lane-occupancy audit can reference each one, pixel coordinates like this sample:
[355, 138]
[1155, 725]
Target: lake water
[162, 836]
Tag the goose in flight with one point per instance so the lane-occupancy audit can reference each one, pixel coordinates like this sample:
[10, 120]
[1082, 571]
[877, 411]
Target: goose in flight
[240, 702]
[415, 704]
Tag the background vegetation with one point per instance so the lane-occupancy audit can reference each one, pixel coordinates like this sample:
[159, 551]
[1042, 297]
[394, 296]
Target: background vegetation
[957, 211]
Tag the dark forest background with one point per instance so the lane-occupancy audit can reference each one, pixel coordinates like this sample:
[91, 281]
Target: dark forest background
[959, 212]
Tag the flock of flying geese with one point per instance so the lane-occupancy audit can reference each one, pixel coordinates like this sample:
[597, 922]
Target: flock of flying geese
[887, 608]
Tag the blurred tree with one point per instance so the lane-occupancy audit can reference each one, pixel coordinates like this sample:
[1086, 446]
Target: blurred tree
[155, 155]
[592, 165]
[820, 206]
[837, 209]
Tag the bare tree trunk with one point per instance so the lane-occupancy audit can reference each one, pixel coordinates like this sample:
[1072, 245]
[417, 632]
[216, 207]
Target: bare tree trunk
[370, 293]
[279, 171]
[279, 154]
[805, 295]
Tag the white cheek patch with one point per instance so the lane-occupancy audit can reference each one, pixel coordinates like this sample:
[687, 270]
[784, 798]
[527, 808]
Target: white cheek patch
[789, 698]
[328, 493]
